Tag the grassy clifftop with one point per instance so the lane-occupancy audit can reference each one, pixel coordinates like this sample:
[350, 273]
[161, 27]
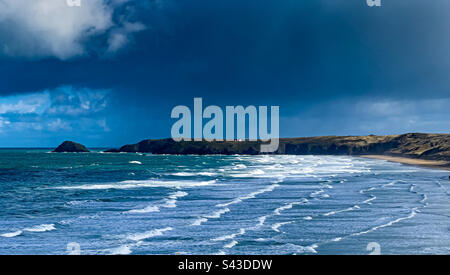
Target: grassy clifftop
[414, 145]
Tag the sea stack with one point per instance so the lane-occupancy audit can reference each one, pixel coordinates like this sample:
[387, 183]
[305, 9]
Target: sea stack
[70, 147]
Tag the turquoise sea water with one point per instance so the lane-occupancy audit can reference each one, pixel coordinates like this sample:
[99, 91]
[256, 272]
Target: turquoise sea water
[155, 204]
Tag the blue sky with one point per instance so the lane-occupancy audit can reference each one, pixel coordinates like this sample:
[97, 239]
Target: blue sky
[109, 72]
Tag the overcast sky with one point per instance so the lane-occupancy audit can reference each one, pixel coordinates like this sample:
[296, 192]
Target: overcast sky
[109, 72]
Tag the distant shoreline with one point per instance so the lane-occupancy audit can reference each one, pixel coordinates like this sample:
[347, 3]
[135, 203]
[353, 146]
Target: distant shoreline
[432, 150]
[443, 165]
[426, 150]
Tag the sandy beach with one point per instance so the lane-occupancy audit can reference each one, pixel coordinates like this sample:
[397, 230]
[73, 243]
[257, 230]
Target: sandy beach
[411, 161]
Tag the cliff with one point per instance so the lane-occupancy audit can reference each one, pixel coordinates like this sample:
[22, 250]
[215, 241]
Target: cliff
[414, 145]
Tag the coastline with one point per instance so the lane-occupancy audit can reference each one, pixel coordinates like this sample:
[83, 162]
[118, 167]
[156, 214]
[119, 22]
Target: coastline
[437, 164]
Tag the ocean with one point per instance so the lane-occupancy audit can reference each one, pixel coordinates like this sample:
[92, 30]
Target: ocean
[98, 203]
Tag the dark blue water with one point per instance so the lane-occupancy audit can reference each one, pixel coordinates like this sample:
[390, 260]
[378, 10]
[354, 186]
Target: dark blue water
[148, 204]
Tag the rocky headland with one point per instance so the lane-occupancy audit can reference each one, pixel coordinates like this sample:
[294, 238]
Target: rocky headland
[426, 147]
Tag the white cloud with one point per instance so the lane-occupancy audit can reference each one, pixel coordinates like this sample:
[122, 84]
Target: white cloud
[68, 101]
[25, 104]
[120, 36]
[3, 122]
[58, 125]
[51, 28]
[61, 110]
[20, 107]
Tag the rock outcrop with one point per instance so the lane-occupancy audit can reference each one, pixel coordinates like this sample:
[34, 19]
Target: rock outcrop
[71, 147]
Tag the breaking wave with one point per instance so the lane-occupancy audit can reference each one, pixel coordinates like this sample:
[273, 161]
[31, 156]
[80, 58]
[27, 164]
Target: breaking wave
[132, 184]
[148, 234]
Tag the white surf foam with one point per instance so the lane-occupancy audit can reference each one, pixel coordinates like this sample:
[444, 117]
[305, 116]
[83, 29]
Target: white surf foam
[239, 166]
[391, 183]
[190, 174]
[183, 174]
[356, 207]
[261, 221]
[368, 190]
[170, 202]
[249, 196]
[199, 221]
[148, 209]
[311, 248]
[148, 234]
[412, 215]
[288, 206]
[368, 201]
[302, 249]
[40, 228]
[133, 184]
[80, 202]
[135, 162]
[12, 234]
[177, 195]
[424, 198]
[319, 193]
[276, 226]
[231, 244]
[217, 214]
[250, 174]
[229, 237]
[266, 159]
[121, 250]
[37, 228]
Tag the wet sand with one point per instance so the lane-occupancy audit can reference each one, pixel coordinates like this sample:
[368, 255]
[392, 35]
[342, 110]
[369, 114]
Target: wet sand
[412, 161]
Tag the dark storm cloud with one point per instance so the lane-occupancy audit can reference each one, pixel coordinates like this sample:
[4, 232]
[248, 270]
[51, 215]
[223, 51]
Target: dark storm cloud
[303, 48]
[296, 54]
